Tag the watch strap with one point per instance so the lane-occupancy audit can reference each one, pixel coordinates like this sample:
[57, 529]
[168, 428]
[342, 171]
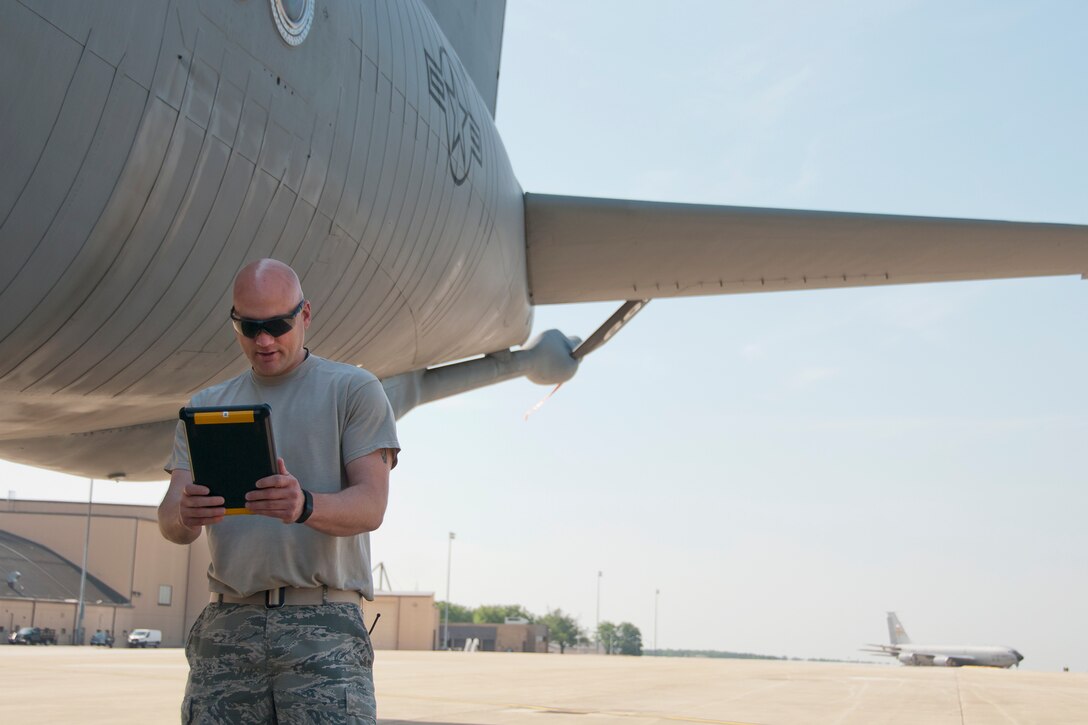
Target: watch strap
[307, 507]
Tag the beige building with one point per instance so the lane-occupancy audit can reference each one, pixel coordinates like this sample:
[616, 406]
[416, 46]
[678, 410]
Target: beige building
[136, 579]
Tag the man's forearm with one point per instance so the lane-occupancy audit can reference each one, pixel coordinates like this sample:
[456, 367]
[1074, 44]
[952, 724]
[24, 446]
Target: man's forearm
[360, 506]
[170, 522]
[354, 510]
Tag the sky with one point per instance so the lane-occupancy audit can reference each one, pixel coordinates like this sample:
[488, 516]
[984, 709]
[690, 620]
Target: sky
[772, 473]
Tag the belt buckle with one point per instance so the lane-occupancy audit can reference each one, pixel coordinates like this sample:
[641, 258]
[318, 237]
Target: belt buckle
[268, 598]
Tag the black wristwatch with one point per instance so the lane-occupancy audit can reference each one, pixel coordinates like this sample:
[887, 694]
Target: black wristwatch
[307, 507]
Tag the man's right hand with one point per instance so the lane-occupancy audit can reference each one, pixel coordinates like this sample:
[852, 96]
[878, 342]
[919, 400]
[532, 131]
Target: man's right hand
[198, 509]
[187, 508]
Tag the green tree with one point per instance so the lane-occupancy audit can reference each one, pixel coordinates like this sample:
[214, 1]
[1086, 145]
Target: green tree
[498, 613]
[457, 612]
[607, 635]
[563, 629]
[629, 640]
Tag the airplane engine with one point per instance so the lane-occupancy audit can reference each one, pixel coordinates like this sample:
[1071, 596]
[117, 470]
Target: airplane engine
[909, 659]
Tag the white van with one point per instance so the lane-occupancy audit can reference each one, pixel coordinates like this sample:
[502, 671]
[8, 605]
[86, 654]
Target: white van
[145, 638]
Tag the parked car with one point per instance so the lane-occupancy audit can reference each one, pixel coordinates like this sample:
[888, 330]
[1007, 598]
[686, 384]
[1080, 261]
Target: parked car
[102, 639]
[33, 635]
[145, 638]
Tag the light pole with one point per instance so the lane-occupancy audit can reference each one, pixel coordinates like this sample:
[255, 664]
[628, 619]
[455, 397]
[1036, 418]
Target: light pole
[597, 633]
[449, 564]
[657, 593]
[77, 635]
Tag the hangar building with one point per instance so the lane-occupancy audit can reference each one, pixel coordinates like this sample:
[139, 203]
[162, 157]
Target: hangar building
[136, 579]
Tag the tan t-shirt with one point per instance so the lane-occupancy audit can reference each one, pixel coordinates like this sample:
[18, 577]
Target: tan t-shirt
[324, 415]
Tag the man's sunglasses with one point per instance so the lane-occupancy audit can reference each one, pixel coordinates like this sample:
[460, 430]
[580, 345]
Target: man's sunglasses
[274, 326]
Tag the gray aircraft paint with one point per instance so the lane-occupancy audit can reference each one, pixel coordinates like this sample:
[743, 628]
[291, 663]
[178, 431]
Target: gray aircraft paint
[152, 148]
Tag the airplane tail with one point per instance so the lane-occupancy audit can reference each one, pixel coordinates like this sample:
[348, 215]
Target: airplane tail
[896, 633]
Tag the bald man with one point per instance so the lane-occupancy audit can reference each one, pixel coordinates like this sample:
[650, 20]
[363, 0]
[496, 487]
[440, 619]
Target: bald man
[282, 639]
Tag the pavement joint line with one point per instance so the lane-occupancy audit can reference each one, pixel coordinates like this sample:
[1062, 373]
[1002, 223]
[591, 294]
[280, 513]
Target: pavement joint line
[575, 711]
[632, 714]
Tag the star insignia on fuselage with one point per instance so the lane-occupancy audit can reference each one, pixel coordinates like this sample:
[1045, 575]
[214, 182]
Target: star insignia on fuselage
[463, 138]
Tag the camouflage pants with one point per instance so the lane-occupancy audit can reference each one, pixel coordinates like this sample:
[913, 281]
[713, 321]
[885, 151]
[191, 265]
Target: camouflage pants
[294, 664]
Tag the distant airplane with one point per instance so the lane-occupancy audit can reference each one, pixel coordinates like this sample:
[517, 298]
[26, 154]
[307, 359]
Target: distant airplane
[924, 655]
[151, 149]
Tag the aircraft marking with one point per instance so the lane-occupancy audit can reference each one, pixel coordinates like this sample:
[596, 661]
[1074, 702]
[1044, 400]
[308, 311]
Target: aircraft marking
[447, 89]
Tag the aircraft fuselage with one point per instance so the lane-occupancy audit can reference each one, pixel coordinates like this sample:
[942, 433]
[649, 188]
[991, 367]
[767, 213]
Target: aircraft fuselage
[954, 656]
[153, 148]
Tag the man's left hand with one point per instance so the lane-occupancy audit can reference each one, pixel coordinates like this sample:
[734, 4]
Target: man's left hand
[278, 497]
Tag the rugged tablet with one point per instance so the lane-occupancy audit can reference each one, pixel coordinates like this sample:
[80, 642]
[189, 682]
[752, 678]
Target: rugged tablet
[230, 448]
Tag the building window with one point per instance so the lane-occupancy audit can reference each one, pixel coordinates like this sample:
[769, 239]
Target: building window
[166, 594]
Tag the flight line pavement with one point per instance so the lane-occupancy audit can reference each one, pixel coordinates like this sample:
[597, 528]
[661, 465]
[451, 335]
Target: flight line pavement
[90, 685]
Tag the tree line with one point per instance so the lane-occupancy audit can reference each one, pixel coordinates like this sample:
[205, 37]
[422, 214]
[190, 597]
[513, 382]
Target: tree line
[563, 629]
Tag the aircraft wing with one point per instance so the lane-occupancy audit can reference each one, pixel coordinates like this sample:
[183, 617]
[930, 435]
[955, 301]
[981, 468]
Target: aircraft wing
[880, 649]
[584, 249]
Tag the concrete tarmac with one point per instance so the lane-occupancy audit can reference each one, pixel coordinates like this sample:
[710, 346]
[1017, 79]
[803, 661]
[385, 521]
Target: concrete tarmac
[90, 685]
